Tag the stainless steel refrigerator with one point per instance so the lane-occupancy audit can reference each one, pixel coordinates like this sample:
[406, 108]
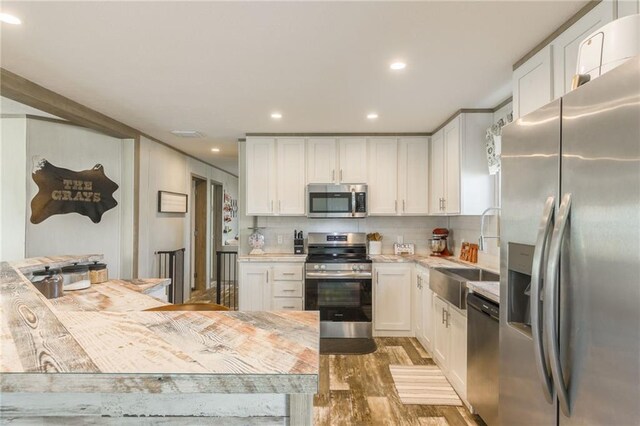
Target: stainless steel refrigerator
[570, 258]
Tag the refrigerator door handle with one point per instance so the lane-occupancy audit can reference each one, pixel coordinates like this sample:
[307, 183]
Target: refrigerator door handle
[551, 303]
[537, 271]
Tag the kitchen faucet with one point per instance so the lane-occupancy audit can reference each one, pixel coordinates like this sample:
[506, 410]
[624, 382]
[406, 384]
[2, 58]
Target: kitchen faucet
[482, 236]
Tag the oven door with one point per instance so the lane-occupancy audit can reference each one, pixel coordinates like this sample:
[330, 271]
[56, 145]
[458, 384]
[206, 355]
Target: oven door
[345, 305]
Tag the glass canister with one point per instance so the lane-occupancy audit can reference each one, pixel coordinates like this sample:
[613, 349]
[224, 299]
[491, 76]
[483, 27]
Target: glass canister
[98, 273]
[49, 282]
[76, 277]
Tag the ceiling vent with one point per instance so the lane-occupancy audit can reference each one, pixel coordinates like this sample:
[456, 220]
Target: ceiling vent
[187, 133]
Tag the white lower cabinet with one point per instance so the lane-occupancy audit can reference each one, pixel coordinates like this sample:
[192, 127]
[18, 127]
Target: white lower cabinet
[450, 343]
[425, 300]
[254, 288]
[271, 286]
[457, 323]
[441, 335]
[392, 299]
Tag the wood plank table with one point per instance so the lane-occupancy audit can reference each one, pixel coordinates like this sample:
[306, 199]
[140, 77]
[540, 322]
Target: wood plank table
[92, 357]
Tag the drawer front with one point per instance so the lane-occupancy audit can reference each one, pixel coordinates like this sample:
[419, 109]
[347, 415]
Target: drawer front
[287, 304]
[287, 289]
[287, 273]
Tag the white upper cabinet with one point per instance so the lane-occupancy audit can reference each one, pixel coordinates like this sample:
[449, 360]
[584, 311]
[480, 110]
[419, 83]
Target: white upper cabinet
[275, 176]
[460, 180]
[413, 176]
[547, 75]
[452, 142]
[533, 83]
[321, 160]
[261, 176]
[290, 176]
[383, 176]
[437, 167]
[352, 160]
[332, 160]
[565, 46]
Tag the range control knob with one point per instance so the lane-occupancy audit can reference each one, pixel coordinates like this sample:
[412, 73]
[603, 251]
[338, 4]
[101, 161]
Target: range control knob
[354, 268]
[316, 266]
[323, 267]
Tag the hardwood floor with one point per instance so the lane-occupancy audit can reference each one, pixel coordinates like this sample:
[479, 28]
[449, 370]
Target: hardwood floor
[359, 390]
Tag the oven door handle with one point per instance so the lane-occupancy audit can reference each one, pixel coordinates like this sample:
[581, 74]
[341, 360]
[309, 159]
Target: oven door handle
[339, 276]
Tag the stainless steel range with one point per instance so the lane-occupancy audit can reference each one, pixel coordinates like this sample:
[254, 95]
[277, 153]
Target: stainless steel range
[338, 284]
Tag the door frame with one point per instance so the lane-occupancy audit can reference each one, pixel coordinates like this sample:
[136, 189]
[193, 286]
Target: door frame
[198, 233]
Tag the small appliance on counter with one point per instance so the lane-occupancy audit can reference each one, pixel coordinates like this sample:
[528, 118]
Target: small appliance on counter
[49, 282]
[75, 277]
[438, 242]
[298, 242]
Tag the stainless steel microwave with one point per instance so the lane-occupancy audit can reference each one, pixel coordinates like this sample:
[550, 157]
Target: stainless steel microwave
[346, 201]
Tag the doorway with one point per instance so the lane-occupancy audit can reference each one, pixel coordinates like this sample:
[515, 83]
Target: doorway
[216, 229]
[199, 234]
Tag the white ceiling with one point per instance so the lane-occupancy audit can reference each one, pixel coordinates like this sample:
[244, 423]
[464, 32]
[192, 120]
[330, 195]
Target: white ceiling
[222, 67]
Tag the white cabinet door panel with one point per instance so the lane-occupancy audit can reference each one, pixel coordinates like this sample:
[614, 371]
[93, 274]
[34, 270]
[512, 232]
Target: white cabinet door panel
[565, 46]
[458, 357]
[321, 160]
[427, 312]
[436, 167]
[533, 83]
[352, 160]
[383, 176]
[441, 336]
[254, 292]
[287, 304]
[392, 304]
[452, 167]
[413, 176]
[261, 176]
[291, 176]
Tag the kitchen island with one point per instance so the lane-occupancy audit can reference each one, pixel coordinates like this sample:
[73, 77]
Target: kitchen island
[92, 356]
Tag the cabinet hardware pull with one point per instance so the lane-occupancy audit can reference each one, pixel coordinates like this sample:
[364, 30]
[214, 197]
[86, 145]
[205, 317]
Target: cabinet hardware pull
[267, 277]
[288, 307]
[333, 175]
[279, 206]
[288, 290]
[443, 315]
[271, 206]
[403, 206]
[395, 203]
[288, 273]
[340, 175]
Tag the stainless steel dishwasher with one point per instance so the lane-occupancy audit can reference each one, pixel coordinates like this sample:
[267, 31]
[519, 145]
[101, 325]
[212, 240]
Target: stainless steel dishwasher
[482, 360]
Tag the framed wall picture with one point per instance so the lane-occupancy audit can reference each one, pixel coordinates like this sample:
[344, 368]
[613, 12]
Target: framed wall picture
[172, 202]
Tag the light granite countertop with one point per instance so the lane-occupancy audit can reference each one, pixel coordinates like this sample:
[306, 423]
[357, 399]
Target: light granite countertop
[98, 340]
[488, 289]
[422, 260]
[273, 257]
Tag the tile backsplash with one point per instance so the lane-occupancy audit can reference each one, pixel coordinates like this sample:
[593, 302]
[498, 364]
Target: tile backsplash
[416, 230]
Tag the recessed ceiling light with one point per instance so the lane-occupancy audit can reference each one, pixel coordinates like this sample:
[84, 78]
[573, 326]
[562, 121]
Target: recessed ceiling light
[9, 19]
[215, 149]
[398, 66]
[372, 116]
[276, 115]
[187, 133]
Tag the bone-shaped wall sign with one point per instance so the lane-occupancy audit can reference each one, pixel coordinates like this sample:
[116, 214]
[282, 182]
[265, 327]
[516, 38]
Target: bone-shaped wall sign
[61, 191]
